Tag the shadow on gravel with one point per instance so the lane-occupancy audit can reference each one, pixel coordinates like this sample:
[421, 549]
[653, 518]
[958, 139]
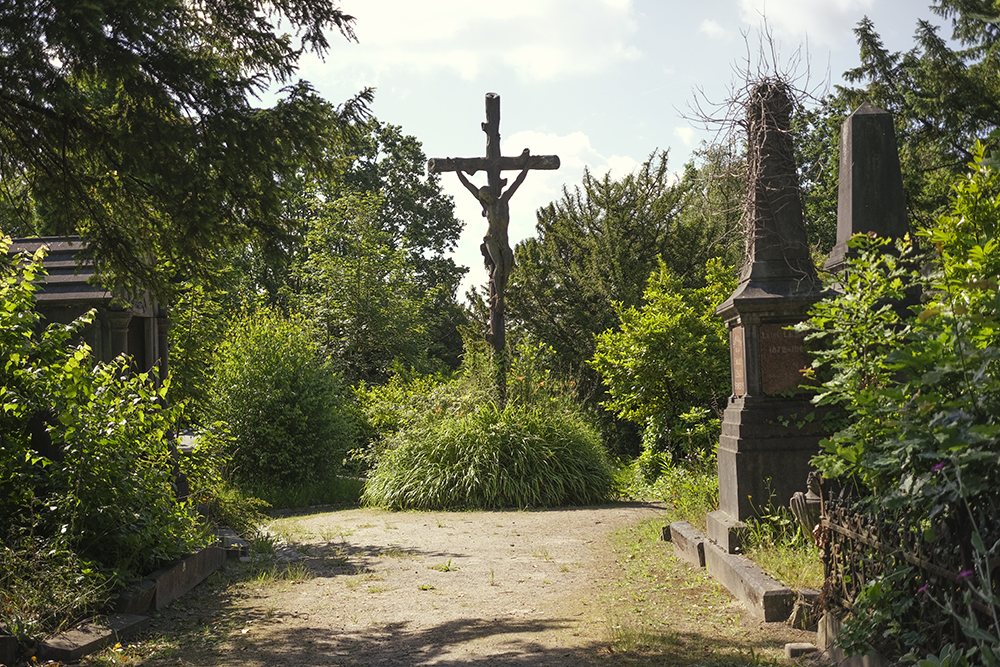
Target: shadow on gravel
[400, 644]
[342, 558]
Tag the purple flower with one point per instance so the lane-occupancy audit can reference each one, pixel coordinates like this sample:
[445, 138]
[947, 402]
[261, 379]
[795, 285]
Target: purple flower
[963, 574]
[938, 466]
[923, 589]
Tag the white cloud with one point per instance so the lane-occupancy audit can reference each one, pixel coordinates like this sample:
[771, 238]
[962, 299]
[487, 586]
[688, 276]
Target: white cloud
[714, 30]
[541, 40]
[824, 22]
[686, 135]
[539, 189]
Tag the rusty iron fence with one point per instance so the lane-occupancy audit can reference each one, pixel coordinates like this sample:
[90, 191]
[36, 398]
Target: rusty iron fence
[926, 566]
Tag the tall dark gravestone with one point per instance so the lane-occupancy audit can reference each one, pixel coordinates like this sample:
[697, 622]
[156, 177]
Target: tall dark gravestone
[870, 196]
[765, 448]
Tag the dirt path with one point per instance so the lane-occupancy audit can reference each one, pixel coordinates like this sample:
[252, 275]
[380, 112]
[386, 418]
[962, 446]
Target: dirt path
[378, 588]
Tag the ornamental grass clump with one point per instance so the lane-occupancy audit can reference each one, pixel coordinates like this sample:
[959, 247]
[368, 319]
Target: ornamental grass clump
[517, 457]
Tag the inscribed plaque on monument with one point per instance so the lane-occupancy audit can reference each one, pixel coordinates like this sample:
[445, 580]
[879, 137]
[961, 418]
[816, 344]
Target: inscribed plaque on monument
[738, 362]
[782, 358]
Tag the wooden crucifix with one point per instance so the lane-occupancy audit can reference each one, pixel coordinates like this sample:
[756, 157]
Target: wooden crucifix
[497, 254]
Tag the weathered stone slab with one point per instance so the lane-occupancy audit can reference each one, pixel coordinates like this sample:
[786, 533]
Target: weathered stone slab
[91, 636]
[234, 545]
[726, 531]
[177, 579]
[8, 649]
[689, 543]
[137, 598]
[764, 597]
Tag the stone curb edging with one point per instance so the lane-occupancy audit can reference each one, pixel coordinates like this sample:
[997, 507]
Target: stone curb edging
[127, 616]
[764, 597]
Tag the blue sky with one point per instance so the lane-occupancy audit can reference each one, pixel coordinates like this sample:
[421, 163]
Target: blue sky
[601, 83]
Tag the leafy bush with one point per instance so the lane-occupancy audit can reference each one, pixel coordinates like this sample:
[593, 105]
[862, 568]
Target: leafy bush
[361, 291]
[289, 413]
[86, 471]
[520, 457]
[667, 369]
[919, 389]
[445, 444]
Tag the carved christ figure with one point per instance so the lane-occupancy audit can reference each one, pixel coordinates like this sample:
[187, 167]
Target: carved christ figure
[497, 254]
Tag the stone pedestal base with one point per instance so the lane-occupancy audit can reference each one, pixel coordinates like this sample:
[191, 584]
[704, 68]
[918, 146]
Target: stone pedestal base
[764, 453]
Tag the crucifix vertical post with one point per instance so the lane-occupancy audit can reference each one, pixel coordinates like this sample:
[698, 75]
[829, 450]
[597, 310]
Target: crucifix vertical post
[497, 253]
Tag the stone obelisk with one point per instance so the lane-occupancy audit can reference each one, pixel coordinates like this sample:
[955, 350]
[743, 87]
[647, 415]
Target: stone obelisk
[766, 442]
[870, 195]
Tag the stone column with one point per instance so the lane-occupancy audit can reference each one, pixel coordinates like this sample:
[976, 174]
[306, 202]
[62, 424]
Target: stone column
[162, 328]
[766, 442]
[118, 320]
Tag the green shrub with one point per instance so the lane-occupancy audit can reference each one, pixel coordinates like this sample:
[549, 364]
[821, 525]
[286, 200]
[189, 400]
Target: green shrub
[86, 472]
[517, 457]
[919, 392]
[667, 368]
[289, 413]
[690, 487]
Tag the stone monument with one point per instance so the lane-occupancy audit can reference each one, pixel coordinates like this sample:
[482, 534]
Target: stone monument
[767, 440]
[870, 195]
[497, 253]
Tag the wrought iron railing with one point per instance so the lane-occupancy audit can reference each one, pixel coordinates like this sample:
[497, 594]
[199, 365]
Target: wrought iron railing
[926, 565]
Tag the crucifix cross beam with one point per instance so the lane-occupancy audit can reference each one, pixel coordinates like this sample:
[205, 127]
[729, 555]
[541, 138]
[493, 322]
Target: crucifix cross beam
[493, 163]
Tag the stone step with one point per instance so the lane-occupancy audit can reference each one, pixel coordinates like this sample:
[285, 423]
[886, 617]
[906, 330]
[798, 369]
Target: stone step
[234, 545]
[689, 543]
[763, 596]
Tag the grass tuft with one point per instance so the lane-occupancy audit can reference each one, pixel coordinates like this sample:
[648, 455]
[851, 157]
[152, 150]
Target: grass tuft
[517, 457]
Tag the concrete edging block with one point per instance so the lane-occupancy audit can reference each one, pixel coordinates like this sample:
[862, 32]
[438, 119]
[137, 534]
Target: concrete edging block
[689, 543]
[178, 578]
[136, 599]
[91, 636]
[764, 597]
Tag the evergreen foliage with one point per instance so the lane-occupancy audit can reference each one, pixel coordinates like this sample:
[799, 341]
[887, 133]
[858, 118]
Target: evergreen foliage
[134, 124]
[595, 248]
[943, 100]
